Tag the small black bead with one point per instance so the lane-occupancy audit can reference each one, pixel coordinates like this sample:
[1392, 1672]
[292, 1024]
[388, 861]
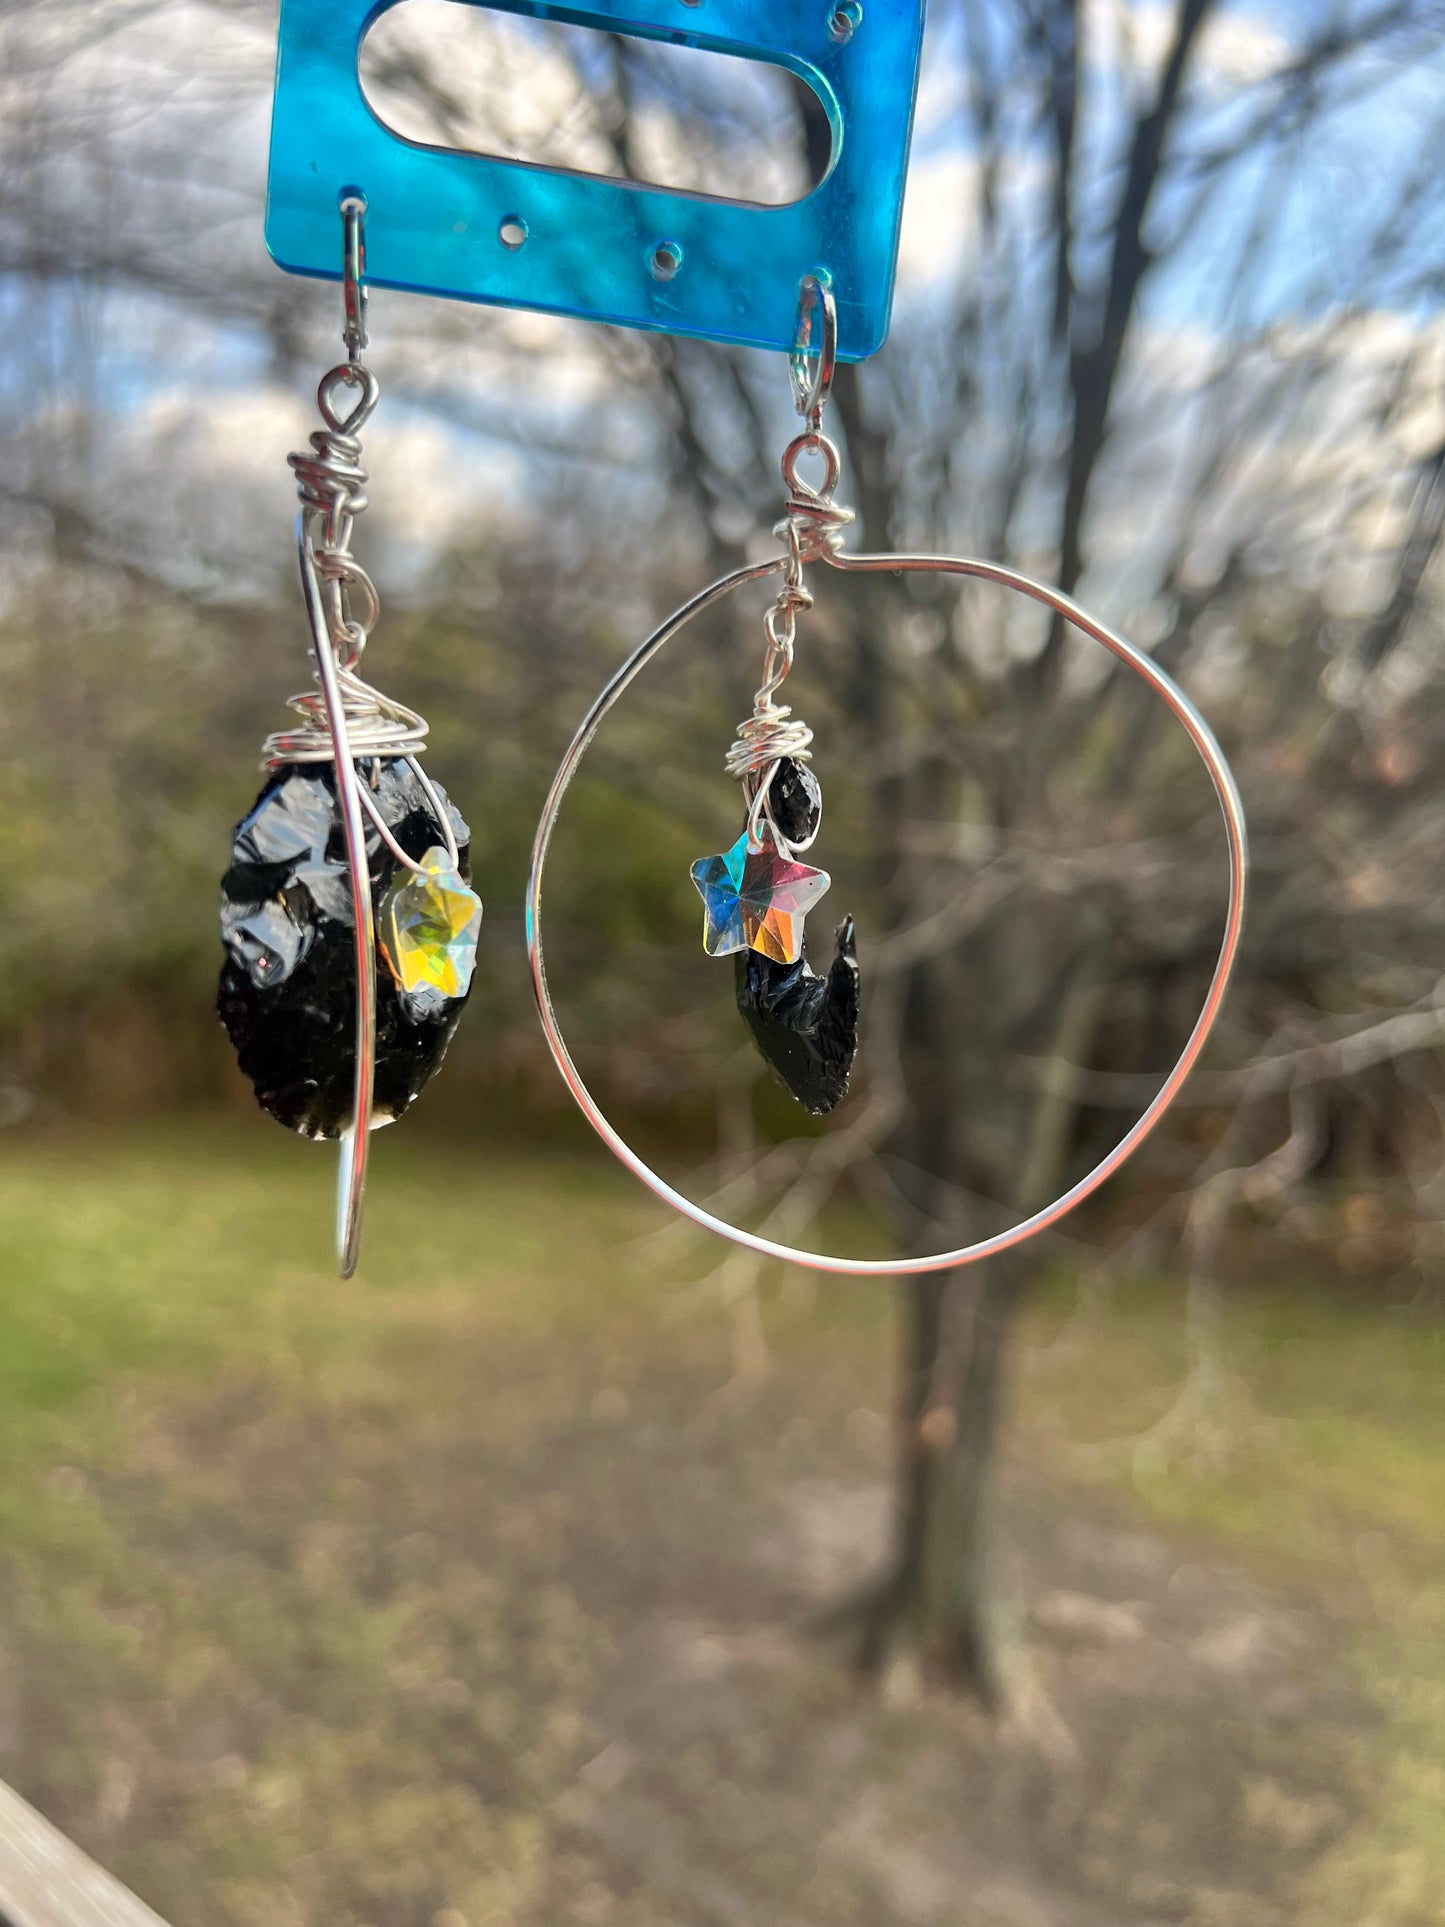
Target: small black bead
[796, 797]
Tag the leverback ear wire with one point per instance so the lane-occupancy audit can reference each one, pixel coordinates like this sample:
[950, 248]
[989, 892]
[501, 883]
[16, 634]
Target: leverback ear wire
[812, 528]
[353, 276]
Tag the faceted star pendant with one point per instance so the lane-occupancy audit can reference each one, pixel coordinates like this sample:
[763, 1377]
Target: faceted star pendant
[756, 900]
[429, 929]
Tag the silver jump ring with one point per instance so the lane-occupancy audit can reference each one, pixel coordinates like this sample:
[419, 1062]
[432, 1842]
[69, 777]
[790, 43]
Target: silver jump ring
[1229, 802]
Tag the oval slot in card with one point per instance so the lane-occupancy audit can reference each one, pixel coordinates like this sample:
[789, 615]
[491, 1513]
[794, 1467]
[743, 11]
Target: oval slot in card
[462, 79]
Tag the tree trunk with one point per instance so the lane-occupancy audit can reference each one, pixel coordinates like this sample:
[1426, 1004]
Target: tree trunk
[947, 1599]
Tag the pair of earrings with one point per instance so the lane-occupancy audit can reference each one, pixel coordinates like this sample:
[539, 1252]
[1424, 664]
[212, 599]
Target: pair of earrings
[348, 918]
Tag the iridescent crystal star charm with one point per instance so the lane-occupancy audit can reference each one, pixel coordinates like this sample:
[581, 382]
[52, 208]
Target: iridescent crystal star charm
[756, 900]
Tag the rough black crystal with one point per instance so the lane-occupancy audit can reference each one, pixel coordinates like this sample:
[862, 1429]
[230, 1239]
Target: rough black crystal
[805, 1025]
[287, 994]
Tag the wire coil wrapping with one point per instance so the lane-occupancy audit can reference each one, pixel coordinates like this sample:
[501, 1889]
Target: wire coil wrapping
[331, 482]
[812, 527]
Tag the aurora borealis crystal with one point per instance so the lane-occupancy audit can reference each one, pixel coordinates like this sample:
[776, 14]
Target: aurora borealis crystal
[429, 929]
[756, 900]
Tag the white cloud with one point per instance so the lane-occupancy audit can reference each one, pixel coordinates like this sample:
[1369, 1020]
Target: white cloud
[1323, 426]
[940, 218]
[1234, 49]
[199, 488]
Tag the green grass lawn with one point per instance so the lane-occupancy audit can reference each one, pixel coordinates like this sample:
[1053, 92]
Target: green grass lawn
[472, 1592]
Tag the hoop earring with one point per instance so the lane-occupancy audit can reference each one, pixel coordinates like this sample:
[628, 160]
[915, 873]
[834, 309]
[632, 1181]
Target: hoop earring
[349, 835]
[755, 894]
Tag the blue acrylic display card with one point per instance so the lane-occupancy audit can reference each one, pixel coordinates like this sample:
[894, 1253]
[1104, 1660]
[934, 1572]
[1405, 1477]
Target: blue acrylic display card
[518, 235]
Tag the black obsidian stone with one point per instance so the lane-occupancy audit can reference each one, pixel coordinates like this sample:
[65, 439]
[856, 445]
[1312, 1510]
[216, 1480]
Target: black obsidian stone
[287, 994]
[806, 1026]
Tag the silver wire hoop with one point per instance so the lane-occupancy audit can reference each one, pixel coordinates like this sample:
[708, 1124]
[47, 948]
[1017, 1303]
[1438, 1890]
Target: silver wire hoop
[1224, 788]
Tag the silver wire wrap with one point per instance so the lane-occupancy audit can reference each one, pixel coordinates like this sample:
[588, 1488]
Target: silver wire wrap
[772, 731]
[331, 483]
[812, 528]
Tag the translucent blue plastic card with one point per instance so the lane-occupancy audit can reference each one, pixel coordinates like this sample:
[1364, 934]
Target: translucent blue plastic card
[524, 236]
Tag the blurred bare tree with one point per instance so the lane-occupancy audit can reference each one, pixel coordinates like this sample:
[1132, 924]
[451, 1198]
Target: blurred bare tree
[1167, 338]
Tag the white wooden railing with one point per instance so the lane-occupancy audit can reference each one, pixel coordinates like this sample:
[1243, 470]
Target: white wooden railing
[46, 1881]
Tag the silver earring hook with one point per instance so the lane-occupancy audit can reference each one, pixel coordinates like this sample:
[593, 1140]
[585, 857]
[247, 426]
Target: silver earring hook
[353, 275]
[814, 354]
